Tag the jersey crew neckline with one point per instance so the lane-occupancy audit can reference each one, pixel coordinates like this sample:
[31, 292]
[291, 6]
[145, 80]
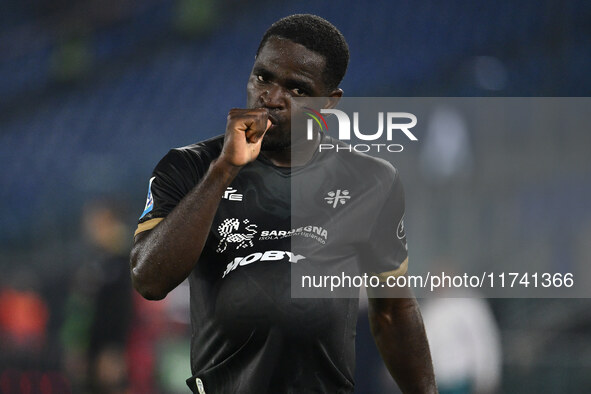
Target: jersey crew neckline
[293, 170]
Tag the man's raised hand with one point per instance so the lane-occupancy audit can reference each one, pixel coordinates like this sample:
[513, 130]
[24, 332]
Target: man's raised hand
[244, 133]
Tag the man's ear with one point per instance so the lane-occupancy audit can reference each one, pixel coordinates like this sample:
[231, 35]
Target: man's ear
[333, 98]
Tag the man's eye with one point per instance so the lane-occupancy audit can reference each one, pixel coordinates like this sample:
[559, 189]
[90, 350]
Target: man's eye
[260, 78]
[298, 91]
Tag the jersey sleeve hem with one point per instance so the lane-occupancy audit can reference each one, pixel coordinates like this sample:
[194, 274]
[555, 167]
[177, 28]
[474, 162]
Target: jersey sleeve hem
[147, 225]
[401, 270]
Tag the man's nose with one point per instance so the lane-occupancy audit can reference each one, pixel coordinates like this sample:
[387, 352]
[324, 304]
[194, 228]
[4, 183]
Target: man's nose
[274, 97]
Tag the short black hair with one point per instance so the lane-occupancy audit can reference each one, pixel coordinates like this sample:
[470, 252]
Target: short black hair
[318, 35]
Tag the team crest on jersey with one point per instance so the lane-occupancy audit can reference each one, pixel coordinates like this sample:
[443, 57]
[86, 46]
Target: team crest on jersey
[149, 200]
[334, 198]
[237, 233]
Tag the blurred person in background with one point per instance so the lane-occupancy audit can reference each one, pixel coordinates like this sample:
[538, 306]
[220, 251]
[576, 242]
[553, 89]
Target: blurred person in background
[465, 343]
[99, 307]
[465, 339]
[24, 316]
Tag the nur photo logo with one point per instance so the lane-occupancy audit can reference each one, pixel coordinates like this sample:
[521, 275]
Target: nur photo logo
[318, 118]
[363, 136]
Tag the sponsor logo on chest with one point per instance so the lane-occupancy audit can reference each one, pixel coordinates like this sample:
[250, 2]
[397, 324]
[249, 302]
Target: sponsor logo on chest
[231, 232]
[317, 233]
[241, 234]
[269, 255]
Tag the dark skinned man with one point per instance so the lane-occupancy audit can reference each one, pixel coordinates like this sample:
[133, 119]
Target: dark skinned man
[249, 334]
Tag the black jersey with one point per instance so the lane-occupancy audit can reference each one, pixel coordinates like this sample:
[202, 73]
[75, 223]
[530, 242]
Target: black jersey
[249, 335]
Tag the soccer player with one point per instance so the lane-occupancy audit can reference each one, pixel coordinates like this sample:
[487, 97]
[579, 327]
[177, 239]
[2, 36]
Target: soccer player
[221, 213]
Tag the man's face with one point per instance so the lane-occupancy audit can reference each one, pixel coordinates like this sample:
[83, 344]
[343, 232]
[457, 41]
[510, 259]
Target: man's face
[282, 70]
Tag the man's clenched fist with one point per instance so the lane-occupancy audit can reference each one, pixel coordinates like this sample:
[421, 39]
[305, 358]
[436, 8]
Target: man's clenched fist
[244, 133]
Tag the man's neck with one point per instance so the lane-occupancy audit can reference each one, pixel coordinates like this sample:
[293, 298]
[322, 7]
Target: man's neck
[297, 155]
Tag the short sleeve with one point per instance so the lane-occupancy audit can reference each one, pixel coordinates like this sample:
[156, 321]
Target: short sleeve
[171, 180]
[386, 253]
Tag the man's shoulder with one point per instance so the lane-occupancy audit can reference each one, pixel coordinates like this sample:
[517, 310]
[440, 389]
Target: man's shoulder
[191, 160]
[200, 153]
[210, 147]
[363, 164]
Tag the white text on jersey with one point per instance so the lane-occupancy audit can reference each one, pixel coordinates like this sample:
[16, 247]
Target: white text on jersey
[269, 255]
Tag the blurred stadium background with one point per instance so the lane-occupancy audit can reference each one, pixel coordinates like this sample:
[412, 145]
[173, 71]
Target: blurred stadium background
[93, 93]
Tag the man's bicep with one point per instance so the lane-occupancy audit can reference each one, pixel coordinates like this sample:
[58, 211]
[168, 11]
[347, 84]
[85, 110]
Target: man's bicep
[391, 286]
[395, 273]
[140, 237]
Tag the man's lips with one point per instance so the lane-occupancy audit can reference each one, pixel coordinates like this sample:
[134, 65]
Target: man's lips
[275, 122]
[273, 119]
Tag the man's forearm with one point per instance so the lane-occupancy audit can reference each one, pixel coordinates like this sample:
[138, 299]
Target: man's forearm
[164, 256]
[397, 327]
